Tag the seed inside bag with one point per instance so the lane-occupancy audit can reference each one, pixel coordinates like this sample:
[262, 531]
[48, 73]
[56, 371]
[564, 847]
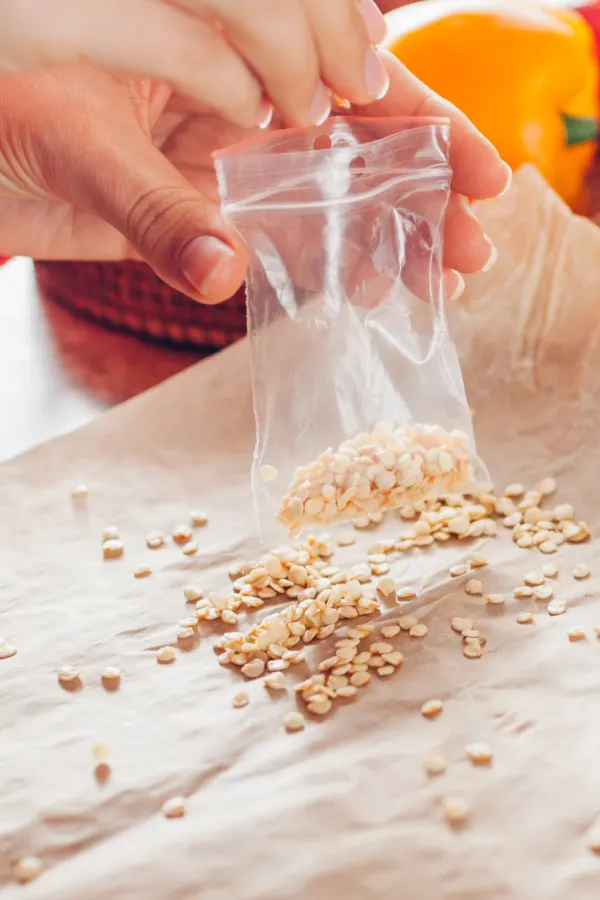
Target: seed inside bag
[377, 471]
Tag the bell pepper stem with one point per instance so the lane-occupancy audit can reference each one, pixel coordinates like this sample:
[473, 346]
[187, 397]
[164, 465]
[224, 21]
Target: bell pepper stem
[580, 129]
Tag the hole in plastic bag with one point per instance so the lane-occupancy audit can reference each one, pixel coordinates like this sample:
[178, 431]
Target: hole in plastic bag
[358, 165]
[322, 142]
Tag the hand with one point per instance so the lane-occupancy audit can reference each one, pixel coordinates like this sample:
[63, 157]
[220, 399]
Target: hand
[225, 54]
[98, 167]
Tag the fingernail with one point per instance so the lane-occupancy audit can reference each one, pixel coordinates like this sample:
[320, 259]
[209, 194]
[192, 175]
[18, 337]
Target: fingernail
[459, 289]
[377, 80]
[204, 262]
[264, 115]
[509, 176]
[493, 255]
[320, 108]
[374, 21]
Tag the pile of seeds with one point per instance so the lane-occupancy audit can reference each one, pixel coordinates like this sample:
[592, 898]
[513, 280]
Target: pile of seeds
[377, 471]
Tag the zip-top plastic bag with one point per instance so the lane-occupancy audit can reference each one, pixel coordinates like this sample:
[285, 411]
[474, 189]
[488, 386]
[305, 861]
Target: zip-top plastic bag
[358, 395]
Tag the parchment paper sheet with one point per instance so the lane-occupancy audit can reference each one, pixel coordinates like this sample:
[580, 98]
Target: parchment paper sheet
[345, 807]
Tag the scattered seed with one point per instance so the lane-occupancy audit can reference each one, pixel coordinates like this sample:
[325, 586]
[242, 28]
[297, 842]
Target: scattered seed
[319, 705]
[190, 549]
[185, 633]
[534, 578]
[581, 570]
[198, 518]
[478, 560]
[390, 631]
[7, 650]
[556, 608]
[112, 549]
[294, 721]
[432, 708]
[111, 676]
[472, 651]
[394, 658]
[100, 752]
[405, 594]
[457, 571]
[548, 547]
[543, 592]
[347, 692]
[576, 634]
[155, 540]
[495, 599]
[523, 592]
[275, 682]
[174, 808]
[456, 810]
[182, 534]
[268, 473]
[111, 533]
[407, 622]
[166, 655]
[459, 624]
[192, 593]
[435, 764]
[80, 492]
[386, 586]
[384, 671]
[479, 753]
[360, 679]
[240, 700]
[142, 572]
[593, 838]
[525, 541]
[27, 868]
[474, 587]
[67, 674]
[547, 485]
[550, 570]
[524, 618]
[346, 540]
[514, 490]
[253, 669]
[419, 630]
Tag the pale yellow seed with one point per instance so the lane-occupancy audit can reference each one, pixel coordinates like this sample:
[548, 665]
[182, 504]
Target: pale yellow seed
[547, 486]
[390, 631]
[142, 572]
[514, 490]
[556, 608]
[275, 682]
[185, 633]
[190, 549]
[581, 570]
[165, 655]
[27, 868]
[576, 634]
[80, 492]
[384, 671]
[359, 679]
[419, 630]
[534, 578]
[182, 534]
[405, 594]
[407, 622]
[495, 599]
[457, 571]
[435, 764]
[7, 651]
[110, 533]
[479, 753]
[346, 540]
[112, 549]
[67, 674]
[100, 752]
[394, 658]
[432, 708]
[548, 547]
[192, 593]
[111, 675]
[155, 540]
[456, 810]
[253, 669]
[348, 691]
[459, 624]
[240, 700]
[380, 647]
[319, 705]
[543, 592]
[474, 587]
[198, 518]
[523, 592]
[472, 651]
[174, 808]
[294, 721]
[593, 838]
[478, 560]
[524, 541]
[550, 570]
[268, 473]
[386, 586]
[524, 618]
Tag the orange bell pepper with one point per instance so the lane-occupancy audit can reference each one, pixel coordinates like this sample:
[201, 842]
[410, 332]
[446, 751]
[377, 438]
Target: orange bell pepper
[527, 75]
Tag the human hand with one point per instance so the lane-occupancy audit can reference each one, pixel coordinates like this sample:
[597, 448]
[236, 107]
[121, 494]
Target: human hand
[226, 54]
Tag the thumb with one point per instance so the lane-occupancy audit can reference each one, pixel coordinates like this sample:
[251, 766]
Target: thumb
[176, 229]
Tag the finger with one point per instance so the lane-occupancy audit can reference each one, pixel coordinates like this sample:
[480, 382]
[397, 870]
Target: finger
[153, 40]
[276, 40]
[466, 246]
[478, 170]
[349, 64]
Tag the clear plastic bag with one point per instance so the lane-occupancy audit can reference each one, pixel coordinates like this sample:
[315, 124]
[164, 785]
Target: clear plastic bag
[358, 394]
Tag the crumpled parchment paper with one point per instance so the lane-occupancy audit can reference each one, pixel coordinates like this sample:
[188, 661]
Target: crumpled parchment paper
[343, 808]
